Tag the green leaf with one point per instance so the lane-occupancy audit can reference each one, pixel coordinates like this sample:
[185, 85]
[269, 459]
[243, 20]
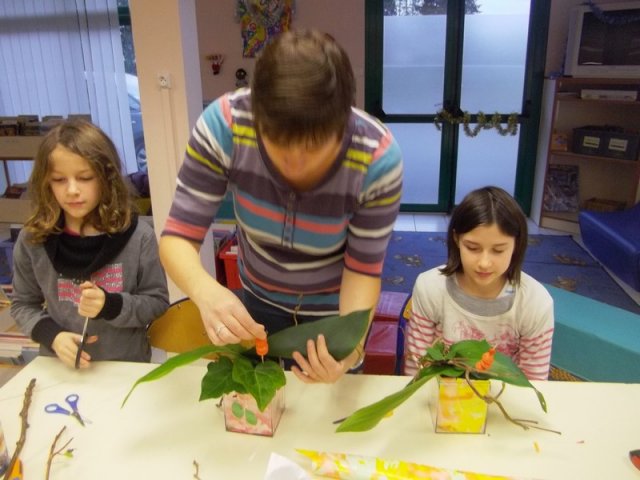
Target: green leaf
[368, 417]
[261, 381]
[218, 380]
[436, 352]
[504, 369]
[183, 359]
[469, 349]
[342, 333]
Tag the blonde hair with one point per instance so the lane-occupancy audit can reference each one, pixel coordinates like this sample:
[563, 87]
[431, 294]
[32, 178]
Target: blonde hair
[115, 208]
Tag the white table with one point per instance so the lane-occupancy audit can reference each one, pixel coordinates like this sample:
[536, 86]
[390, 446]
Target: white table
[163, 428]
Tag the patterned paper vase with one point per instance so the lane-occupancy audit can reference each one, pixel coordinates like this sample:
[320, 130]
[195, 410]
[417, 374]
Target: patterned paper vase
[457, 409]
[241, 414]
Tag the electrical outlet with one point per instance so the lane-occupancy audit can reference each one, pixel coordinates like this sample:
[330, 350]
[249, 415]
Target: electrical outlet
[164, 80]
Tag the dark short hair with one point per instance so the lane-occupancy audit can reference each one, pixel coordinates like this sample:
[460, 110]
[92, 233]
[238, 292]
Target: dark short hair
[302, 89]
[114, 211]
[487, 206]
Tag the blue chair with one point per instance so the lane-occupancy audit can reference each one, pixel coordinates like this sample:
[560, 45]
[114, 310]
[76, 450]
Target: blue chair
[613, 238]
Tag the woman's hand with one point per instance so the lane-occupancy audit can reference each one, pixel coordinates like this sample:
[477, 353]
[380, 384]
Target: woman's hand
[91, 300]
[66, 346]
[319, 366]
[225, 318]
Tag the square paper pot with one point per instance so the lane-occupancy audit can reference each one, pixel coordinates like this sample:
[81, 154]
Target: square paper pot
[241, 414]
[455, 408]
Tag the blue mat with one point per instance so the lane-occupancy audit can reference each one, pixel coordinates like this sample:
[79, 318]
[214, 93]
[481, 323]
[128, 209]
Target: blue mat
[552, 259]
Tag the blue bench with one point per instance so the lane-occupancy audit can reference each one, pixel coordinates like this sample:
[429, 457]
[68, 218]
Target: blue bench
[614, 240]
[593, 340]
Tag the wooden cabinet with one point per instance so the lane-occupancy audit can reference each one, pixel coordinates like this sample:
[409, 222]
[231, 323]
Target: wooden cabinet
[599, 176]
[13, 210]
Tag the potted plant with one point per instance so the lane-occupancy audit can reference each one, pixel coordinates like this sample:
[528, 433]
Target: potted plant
[251, 382]
[462, 362]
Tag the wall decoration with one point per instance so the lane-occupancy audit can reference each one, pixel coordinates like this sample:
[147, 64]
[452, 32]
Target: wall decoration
[241, 78]
[261, 20]
[216, 60]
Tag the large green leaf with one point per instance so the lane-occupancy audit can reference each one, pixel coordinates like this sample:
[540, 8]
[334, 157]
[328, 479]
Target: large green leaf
[342, 333]
[261, 381]
[368, 417]
[183, 359]
[219, 380]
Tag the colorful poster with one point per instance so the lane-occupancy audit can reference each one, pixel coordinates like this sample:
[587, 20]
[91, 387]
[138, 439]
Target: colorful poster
[260, 20]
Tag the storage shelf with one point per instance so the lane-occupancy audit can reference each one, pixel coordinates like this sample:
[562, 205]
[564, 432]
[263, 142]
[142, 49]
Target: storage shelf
[597, 158]
[19, 148]
[605, 178]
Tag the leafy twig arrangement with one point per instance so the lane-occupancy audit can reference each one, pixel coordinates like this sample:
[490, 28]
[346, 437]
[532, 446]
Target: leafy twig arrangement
[462, 359]
[483, 122]
[54, 452]
[24, 414]
[243, 370]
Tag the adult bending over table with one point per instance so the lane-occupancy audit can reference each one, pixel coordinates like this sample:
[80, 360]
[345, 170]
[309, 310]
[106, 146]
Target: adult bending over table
[316, 187]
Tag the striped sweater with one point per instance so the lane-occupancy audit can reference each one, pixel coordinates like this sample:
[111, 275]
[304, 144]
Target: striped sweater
[292, 246]
[519, 324]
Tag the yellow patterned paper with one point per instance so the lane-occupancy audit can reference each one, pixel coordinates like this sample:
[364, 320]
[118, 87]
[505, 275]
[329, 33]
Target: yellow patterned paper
[342, 466]
[459, 409]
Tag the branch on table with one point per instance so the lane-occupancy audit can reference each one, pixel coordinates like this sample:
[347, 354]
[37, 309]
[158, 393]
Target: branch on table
[24, 413]
[53, 452]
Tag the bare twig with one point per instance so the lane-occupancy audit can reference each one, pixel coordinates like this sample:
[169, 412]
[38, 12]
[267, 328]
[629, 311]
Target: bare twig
[23, 429]
[53, 452]
[196, 475]
[490, 399]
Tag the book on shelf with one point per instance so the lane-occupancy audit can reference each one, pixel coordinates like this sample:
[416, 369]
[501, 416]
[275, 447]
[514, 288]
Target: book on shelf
[17, 348]
[561, 189]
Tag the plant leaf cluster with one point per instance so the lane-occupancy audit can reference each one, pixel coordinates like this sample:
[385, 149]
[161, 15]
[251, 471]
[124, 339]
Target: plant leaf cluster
[239, 369]
[457, 360]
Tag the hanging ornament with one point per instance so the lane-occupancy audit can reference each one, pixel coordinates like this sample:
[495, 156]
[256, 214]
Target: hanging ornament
[482, 122]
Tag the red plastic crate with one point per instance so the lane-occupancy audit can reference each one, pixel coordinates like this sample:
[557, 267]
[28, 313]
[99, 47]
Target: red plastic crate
[389, 306]
[230, 262]
[380, 349]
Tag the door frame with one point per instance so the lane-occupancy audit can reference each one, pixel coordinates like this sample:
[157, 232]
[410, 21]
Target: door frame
[528, 119]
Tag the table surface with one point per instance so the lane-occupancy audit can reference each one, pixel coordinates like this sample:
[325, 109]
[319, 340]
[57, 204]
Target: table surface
[163, 428]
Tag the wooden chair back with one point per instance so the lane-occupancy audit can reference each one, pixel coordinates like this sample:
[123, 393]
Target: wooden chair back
[179, 329]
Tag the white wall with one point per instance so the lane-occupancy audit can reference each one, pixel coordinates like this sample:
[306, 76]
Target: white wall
[218, 32]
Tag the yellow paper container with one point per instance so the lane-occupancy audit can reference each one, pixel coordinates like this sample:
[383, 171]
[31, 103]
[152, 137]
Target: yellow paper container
[241, 414]
[456, 408]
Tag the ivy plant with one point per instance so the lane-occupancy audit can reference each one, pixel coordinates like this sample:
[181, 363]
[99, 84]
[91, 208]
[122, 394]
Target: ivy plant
[237, 368]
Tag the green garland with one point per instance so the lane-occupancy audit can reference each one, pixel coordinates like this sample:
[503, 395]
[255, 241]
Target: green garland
[483, 122]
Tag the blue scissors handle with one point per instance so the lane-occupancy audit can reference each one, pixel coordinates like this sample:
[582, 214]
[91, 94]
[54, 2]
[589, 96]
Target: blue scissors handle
[72, 400]
[55, 408]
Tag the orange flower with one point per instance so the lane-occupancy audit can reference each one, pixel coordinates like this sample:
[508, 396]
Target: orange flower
[262, 346]
[487, 360]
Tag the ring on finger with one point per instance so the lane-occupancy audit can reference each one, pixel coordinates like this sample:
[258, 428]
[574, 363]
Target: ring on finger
[219, 329]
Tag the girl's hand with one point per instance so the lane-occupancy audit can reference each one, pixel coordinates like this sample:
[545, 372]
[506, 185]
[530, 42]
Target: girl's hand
[319, 366]
[66, 347]
[91, 300]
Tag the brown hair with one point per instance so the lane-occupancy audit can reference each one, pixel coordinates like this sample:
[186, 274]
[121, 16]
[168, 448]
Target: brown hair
[302, 89]
[488, 206]
[113, 213]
